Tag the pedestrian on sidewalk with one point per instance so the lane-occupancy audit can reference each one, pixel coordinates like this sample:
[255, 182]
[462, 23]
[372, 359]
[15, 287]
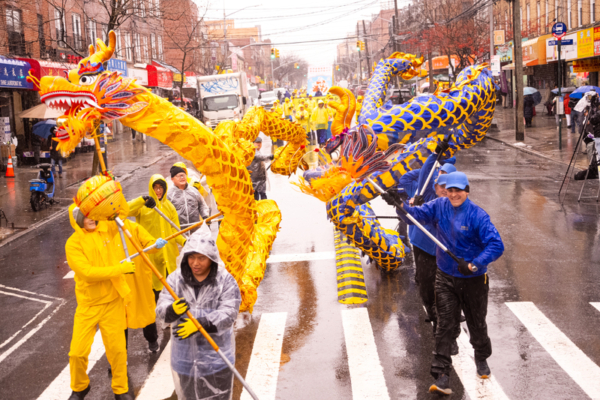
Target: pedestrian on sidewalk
[575, 115]
[188, 201]
[55, 155]
[467, 231]
[258, 172]
[211, 294]
[100, 289]
[568, 111]
[528, 104]
[142, 208]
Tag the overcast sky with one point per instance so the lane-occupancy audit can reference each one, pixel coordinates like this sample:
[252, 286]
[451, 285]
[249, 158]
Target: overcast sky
[285, 21]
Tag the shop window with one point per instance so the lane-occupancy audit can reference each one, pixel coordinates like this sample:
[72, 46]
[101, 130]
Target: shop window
[118, 46]
[77, 40]
[128, 52]
[153, 45]
[92, 32]
[592, 11]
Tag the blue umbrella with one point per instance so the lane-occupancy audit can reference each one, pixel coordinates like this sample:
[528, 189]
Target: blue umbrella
[44, 128]
[577, 94]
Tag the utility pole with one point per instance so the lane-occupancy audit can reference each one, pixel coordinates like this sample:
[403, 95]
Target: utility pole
[518, 59]
[367, 50]
[395, 24]
[393, 35]
[491, 31]
[430, 65]
[359, 63]
[225, 37]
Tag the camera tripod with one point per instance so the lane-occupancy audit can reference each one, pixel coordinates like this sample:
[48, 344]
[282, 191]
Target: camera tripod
[570, 173]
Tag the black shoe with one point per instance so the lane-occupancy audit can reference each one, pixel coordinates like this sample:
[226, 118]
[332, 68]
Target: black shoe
[454, 349]
[483, 371]
[153, 347]
[441, 385]
[124, 396]
[109, 371]
[80, 395]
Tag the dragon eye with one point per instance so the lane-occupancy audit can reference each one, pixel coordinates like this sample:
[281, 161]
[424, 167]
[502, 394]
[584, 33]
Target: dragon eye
[88, 79]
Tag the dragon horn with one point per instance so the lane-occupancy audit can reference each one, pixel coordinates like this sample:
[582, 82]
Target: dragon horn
[104, 53]
[337, 126]
[351, 108]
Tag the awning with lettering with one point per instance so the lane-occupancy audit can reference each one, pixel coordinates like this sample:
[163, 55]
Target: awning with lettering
[41, 68]
[13, 73]
[159, 76]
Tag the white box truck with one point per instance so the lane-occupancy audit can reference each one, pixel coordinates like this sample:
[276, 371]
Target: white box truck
[223, 97]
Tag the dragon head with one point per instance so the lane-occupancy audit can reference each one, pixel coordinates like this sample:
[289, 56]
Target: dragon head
[407, 65]
[89, 93]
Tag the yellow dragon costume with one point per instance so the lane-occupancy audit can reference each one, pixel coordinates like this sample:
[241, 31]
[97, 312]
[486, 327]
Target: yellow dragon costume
[91, 93]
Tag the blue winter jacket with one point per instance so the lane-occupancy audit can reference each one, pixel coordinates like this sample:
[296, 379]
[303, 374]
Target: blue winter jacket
[465, 230]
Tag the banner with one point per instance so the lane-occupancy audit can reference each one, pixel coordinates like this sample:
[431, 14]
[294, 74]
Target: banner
[587, 65]
[585, 43]
[319, 78]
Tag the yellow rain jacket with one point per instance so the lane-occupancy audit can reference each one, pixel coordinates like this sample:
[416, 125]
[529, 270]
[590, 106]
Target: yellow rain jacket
[163, 259]
[302, 118]
[140, 305]
[277, 109]
[288, 106]
[319, 118]
[98, 279]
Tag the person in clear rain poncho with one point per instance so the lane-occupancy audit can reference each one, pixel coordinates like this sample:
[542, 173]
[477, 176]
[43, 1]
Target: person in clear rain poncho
[213, 297]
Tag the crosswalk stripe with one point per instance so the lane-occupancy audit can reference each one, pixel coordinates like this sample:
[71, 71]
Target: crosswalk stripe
[69, 275]
[366, 373]
[597, 305]
[265, 361]
[159, 384]
[60, 388]
[323, 255]
[464, 365]
[574, 361]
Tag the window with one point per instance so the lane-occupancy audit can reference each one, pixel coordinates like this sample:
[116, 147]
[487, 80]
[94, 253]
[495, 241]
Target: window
[92, 33]
[118, 46]
[61, 26]
[146, 58]
[153, 46]
[16, 39]
[41, 36]
[569, 14]
[128, 54]
[77, 42]
[528, 20]
[160, 48]
[556, 10]
[138, 48]
[538, 20]
[579, 12]
[592, 11]
[546, 13]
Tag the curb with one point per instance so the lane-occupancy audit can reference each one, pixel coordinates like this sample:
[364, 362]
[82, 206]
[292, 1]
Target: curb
[58, 214]
[526, 150]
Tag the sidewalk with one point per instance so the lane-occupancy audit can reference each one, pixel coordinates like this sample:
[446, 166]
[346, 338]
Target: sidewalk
[124, 157]
[541, 139]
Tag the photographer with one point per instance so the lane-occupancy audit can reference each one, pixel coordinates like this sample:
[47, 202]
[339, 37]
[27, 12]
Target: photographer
[589, 104]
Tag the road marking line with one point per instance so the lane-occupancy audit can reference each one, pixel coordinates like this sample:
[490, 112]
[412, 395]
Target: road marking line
[265, 361]
[349, 273]
[7, 341]
[597, 305]
[27, 291]
[69, 275]
[464, 365]
[323, 255]
[574, 361]
[26, 297]
[60, 388]
[366, 373]
[159, 384]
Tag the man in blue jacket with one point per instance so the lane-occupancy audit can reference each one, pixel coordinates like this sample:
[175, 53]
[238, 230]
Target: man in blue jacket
[466, 230]
[423, 247]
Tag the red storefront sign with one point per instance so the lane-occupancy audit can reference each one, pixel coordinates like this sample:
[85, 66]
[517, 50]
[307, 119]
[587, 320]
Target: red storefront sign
[159, 77]
[41, 68]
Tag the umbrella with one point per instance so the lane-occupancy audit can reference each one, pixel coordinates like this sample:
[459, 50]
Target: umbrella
[529, 90]
[579, 92]
[41, 112]
[564, 90]
[44, 128]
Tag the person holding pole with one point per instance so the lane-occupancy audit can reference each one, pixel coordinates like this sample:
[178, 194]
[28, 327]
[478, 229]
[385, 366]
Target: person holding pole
[188, 201]
[211, 294]
[144, 210]
[100, 289]
[468, 235]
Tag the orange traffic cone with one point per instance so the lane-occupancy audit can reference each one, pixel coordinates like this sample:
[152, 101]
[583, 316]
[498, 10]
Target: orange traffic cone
[10, 172]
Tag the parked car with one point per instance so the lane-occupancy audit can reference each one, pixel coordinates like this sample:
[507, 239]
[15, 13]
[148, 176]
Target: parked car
[399, 96]
[267, 99]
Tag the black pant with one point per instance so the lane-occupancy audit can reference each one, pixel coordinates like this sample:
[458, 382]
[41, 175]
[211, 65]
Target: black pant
[425, 272]
[260, 196]
[150, 334]
[452, 294]
[215, 387]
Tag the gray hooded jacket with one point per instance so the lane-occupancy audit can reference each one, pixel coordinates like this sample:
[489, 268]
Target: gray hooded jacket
[189, 203]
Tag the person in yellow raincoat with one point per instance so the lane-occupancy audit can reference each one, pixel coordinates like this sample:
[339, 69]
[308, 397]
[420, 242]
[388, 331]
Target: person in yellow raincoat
[100, 289]
[359, 101]
[302, 117]
[142, 209]
[277, 109]
[288, 107]
[319, 119]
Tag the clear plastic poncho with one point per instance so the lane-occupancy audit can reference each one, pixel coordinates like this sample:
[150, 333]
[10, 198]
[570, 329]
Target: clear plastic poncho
[198, 371]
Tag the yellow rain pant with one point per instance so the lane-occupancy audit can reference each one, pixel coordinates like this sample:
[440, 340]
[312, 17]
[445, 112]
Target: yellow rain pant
[111, 319]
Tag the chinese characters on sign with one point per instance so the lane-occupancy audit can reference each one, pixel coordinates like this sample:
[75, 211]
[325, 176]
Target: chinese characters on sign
[13, 74]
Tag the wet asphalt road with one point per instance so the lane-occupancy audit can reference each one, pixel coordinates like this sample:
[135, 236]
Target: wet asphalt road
[551, 260]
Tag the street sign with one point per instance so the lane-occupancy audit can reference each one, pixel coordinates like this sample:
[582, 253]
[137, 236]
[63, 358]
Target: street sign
[559, 30]
[566, 42]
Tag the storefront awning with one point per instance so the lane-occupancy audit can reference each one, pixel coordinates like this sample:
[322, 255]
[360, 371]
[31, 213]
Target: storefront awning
[13, 73]
[529, 63]
[158, 76]
[41, 68]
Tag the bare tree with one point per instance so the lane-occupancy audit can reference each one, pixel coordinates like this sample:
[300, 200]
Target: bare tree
[290, 66]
